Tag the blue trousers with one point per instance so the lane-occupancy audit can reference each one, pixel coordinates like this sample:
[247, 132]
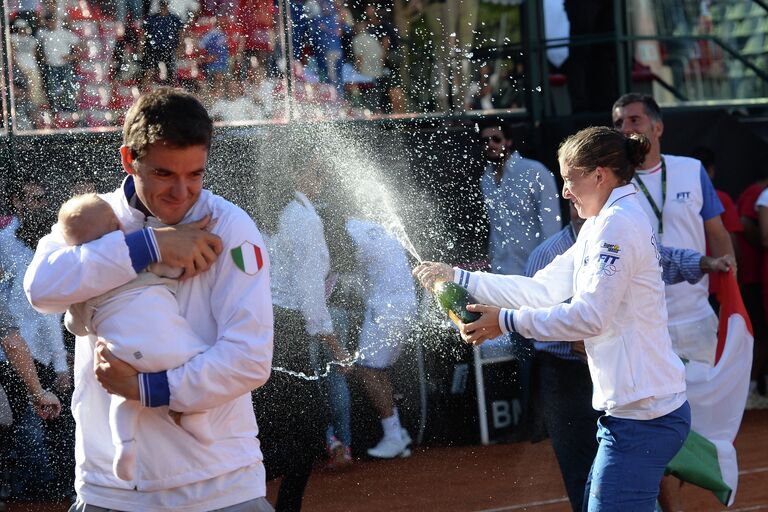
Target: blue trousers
[630, 460]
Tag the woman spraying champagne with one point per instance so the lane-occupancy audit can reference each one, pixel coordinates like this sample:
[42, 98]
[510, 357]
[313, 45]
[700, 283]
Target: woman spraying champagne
[613, 277]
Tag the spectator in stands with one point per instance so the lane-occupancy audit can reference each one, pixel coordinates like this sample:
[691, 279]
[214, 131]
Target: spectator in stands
[25, 50]
[127, 12]
[234, 106]
[452, 27]
[369, 62]
[185, 10]
[59, 48]
[260, 88]
[125, 66]
[751, 283]
[24, 110]
[684, 210]
[393, 100]
[325, 38]
[162, 32]
[28, 10]
[215, 56]
[491, 90]
[256, 27]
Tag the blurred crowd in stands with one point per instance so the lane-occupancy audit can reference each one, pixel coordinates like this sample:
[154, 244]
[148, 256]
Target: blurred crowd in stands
[80, 63]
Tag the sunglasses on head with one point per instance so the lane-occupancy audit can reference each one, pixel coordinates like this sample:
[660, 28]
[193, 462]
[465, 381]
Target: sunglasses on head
[494, 138]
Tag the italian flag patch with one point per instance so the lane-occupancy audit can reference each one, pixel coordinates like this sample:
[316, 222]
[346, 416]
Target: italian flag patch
[248, 258]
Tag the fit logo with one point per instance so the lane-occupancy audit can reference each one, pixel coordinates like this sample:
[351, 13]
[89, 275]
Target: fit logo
[608, 259]
[683, 196]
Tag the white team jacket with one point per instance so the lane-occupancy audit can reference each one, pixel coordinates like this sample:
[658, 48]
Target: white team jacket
[227, 308]
[613, 276]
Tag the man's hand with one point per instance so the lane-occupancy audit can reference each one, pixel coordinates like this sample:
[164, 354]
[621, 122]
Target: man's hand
[339, 353]
[429, 272]
[484, 328]
[724, 263]
[46, 405]
[115, 375]
[189, 246]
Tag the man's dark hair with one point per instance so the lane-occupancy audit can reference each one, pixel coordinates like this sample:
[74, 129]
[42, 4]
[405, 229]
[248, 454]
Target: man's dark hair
[496, 123]
[172, 116]
[650, 106]
[705, 155]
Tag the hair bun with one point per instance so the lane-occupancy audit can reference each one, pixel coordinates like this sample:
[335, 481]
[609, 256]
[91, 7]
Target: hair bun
[638, 147]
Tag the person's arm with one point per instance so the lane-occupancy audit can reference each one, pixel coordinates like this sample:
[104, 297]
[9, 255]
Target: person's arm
[551, 285]
[240, 360]
[62, 275]
[718, 239]
[16, 350]
[605, 280]
[680, 265]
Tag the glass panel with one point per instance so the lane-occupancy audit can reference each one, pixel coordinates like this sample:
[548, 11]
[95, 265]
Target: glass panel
[694, 66]
[79, 65]
[361, 59]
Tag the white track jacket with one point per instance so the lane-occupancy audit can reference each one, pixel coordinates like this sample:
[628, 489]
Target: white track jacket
[613, 276]
[228, 307]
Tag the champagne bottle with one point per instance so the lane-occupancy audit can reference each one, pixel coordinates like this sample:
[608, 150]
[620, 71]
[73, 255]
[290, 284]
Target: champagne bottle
[453, 300]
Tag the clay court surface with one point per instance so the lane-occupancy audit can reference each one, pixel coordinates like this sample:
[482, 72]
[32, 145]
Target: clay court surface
[505, 477]
[520, 476]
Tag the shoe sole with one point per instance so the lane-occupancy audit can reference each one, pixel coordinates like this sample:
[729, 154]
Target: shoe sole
[403, 454]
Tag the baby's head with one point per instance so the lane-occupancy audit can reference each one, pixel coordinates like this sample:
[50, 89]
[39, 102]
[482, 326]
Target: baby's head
[85, 218]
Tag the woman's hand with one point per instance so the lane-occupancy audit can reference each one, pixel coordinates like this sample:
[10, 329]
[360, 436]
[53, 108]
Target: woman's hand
[429, 272]
[484, 328]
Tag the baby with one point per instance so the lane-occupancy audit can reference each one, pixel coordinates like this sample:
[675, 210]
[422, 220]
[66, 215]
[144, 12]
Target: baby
[141, 324]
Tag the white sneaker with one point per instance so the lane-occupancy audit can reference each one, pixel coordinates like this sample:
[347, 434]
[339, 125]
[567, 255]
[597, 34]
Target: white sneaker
[391, 447]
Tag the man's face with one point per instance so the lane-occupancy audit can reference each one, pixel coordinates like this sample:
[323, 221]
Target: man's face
[632, 118]
[495, 146]
[32, 200]
[168, 179]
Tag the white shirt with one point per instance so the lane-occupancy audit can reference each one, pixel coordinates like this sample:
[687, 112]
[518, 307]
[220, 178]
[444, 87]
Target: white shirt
[300, 263]
[612, 274]
[683, 227]
[523, 211]
[41, 332]
[227, 308]
[238, 109]
[388, 274]
[370, 54]
[56, 45]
